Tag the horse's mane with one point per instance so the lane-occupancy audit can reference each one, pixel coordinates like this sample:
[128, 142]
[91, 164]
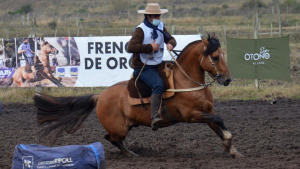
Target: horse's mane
[45, 43]
[213, 45]
[187, 47]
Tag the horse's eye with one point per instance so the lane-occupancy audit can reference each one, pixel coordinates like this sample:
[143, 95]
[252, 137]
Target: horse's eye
[216, 58]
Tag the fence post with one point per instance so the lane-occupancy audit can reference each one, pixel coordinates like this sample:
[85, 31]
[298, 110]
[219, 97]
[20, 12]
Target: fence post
[200, 30]
[225, 35]
[173, 29]
[256, 37]
[271, 30]
[279, 18]
[28, 19]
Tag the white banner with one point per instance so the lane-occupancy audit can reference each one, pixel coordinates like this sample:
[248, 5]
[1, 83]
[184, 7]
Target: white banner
[104, 60]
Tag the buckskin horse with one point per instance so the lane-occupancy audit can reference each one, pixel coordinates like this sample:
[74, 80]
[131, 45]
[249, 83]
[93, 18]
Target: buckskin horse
[58, 114]
[42, 66]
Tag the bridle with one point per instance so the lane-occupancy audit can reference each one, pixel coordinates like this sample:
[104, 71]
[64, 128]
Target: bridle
[213, 65]
[202, 86]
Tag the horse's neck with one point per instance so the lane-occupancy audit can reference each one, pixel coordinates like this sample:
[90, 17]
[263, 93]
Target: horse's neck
[44, 57]
[190, 63]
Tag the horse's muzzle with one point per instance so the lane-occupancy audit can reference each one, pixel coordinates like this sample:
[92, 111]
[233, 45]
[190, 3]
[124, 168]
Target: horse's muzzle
[224, 80]
[227, 81]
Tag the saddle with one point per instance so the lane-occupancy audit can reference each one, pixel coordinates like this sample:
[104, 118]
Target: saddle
[165, 70]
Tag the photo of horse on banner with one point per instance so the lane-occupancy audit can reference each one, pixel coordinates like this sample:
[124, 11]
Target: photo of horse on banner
[191, 102]
[42, 68]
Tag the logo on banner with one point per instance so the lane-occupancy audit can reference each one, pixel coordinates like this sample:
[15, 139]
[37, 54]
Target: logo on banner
[27, 162]
[6, 72]
[74, 71]
[61, 71]
[258, 57]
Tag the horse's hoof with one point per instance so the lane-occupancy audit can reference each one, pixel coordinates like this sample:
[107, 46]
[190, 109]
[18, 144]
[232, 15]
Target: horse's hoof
[234, 153]
[133, 155]
[238, 155]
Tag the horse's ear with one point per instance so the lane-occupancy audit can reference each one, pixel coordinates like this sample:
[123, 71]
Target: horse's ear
[205, 41]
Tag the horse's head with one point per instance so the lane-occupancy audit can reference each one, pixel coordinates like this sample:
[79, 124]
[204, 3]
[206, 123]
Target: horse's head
[48, 48]
[213, 61]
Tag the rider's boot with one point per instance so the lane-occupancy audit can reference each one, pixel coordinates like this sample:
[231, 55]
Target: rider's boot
[157, 121]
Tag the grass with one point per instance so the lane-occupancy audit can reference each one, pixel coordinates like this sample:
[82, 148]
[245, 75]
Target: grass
[266, 91]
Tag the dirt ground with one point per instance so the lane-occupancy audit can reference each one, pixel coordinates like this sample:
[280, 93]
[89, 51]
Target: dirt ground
[268, 135]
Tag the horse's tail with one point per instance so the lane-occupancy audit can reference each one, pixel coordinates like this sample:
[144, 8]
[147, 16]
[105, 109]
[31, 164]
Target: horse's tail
[58, 114]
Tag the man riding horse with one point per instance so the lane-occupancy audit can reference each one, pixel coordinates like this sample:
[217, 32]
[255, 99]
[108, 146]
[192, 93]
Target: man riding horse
[147, 46]
[26, 51]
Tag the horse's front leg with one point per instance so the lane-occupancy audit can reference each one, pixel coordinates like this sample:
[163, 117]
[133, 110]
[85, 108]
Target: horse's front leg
[55, 81]
[216, 123]
[51, 77]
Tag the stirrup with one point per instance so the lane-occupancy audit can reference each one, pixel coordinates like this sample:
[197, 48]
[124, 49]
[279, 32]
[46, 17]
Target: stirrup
[156, 122]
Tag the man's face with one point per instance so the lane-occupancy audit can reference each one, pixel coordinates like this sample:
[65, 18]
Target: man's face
[154, 16]
[26, 40]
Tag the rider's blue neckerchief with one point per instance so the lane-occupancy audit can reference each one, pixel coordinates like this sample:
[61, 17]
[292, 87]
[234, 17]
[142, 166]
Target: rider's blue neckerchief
[155, 28]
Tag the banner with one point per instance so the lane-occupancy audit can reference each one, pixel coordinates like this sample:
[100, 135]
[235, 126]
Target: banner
[80, 61]
[104, 60]
[259, 58]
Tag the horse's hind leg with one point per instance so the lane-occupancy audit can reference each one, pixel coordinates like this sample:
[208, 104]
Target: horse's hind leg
[216, 123]
[121, 146]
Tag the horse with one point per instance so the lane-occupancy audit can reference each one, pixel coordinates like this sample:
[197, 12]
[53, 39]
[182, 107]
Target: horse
[42, 66]
[58, 114]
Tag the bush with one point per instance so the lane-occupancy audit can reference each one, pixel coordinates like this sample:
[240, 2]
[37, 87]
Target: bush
[80, 11]
[142, 7]
[52, 25]
[225, 6]
[251, 4]
[22, 10]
